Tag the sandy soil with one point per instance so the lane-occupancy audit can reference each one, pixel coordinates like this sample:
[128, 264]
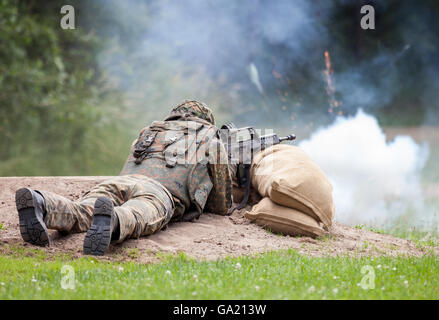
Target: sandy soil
[210, 237]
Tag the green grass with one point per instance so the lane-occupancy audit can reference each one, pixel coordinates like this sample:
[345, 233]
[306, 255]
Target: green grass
[419, 236]
[27, 274]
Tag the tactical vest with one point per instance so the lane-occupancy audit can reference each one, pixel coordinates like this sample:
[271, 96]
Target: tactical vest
[175, 154]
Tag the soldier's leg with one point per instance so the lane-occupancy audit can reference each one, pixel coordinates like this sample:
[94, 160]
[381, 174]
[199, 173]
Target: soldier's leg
[65, 215]
[76, 216]
[142, 216]
[149, 207]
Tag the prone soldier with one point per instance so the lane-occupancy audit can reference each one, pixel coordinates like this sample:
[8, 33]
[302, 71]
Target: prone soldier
[177, 168]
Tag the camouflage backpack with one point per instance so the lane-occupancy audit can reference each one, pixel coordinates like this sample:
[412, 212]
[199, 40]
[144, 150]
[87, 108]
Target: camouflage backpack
[175, 152]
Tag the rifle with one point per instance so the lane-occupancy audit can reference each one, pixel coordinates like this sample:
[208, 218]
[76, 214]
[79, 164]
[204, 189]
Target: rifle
[241, 146]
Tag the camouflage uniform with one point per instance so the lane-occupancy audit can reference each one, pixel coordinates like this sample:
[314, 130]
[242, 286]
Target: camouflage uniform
[174, 166]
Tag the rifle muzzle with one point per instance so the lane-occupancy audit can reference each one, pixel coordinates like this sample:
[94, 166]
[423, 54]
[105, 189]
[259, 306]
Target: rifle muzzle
[289, 137]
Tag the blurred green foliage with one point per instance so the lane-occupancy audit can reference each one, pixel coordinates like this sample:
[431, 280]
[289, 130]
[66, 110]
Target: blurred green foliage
[72, 101]
[56, 115]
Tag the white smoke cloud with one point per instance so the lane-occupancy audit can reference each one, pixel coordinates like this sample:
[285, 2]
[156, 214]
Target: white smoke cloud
[375, 182]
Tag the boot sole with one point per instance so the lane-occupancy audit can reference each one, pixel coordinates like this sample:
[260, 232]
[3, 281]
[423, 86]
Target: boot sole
[98, 237]
[32, 227]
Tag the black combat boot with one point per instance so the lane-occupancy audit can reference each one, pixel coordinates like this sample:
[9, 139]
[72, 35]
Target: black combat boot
[31, 209]
[103, 229]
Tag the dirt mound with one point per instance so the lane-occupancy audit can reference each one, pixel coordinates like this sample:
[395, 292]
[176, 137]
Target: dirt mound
[210, 237]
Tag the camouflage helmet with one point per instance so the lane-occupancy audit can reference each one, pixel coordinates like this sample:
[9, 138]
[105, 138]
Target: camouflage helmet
[191, 108]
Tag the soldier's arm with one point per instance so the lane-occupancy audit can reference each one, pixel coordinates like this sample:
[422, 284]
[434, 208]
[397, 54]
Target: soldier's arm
[220, 197]
[130, 156]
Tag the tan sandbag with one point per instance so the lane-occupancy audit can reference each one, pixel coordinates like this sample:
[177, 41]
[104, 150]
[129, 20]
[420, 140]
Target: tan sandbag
[289, 177]
[284, 220]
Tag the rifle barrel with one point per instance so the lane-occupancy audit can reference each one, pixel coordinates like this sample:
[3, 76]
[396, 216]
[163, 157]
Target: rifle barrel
[290, 137]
